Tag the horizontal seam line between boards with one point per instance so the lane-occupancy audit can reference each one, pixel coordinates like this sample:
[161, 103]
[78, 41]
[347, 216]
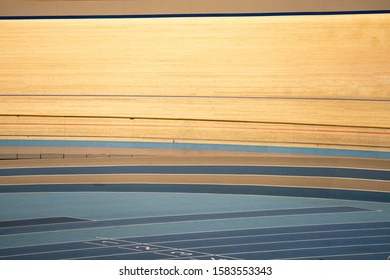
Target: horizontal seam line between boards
[190, 15]
[189, 119]
[195, 97]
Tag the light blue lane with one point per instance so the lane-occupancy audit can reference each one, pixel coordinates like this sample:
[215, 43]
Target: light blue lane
[176, 218]
[194, 146]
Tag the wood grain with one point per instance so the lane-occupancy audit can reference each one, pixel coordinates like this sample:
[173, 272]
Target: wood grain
[308, 56]
[307, 80]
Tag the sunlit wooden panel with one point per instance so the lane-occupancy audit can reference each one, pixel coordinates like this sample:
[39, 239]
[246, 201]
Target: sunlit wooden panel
[343, 56]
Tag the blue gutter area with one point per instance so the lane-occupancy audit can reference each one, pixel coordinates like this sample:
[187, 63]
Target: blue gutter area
[195, 146]
[196, 15]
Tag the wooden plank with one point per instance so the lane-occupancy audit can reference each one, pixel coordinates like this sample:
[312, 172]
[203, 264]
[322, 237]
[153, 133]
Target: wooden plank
[284, 111]
[308, 56]
[195, 131]
[319, 81]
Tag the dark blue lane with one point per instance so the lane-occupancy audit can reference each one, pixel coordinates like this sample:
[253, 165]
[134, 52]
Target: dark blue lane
[40, 221]
[205, 188]
[314, 253]
[179, 218]
[206, 169]
[99, 251]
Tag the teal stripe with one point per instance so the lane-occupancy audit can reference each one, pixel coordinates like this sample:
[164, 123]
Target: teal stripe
[196, 146]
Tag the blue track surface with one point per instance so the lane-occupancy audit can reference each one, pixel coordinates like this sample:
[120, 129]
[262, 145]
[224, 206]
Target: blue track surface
[312, 242]
[173, 219]
[193, 221]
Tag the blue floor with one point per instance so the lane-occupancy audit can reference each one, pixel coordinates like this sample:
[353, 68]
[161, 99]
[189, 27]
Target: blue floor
[137, 225]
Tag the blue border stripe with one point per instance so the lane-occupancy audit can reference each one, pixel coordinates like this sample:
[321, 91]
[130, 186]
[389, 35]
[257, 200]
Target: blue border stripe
[195, 146]
[271, 14]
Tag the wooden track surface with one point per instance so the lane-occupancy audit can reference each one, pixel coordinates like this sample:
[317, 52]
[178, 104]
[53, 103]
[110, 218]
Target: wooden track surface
[306, 56]
[307, 80]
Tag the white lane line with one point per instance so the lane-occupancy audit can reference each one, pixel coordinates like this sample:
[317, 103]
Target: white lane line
[309, 248]
[340, 255]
